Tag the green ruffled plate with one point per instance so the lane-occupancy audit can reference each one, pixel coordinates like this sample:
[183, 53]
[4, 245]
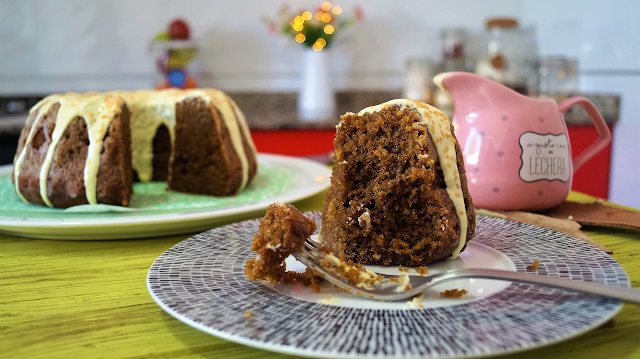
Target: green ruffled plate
[154, 211]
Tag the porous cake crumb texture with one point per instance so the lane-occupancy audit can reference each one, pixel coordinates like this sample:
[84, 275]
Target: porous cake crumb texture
[388, 202]
[282, 231]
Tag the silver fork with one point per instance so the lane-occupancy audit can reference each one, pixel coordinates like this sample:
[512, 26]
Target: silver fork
[310, 255]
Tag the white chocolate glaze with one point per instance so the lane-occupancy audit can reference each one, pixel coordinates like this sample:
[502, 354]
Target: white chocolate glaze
[404, 282]
[329, 300]
[42, 107]
[149, 110]
[416, 302]
[366, 274]
[439, 128]
[98, 111]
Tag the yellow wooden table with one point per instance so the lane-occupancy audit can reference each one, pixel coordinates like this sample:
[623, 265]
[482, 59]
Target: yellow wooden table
[75, 299]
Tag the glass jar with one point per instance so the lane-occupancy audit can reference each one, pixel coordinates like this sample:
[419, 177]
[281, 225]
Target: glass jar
[418, 85]
[509, 54]
[558, 76]
[453, 43]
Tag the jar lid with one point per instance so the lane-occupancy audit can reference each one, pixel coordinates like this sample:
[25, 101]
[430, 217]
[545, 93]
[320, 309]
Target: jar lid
[501, 22]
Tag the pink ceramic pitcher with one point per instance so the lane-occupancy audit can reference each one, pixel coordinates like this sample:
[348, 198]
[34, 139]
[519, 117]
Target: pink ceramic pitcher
[516, 148]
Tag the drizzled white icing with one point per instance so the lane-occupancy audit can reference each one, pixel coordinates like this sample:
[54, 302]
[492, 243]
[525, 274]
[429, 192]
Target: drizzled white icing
[439, 128]
[149, 110]
[98, 112]
[42, 107]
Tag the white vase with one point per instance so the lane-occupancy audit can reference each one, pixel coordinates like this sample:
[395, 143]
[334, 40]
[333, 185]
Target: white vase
[316, 100]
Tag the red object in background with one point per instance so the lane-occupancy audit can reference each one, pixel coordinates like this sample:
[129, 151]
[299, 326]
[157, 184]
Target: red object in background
[593, 177]
[178, 30]
[294, 142]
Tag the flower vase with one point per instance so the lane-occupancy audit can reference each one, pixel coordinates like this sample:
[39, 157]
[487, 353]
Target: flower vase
[316, 100]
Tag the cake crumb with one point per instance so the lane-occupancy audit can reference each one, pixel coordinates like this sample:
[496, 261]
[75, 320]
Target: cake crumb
[453, 293]
[422, 270]
[570, 218]
[416, 302]
[329, 300]
[364, 221]
[610, 324]
[355, 273]
[247, 314]
[403, 269]
[533, 266]
[404, 284]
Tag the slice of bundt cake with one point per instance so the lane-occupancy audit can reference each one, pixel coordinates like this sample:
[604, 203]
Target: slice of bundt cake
[398, 191]
[87, 148]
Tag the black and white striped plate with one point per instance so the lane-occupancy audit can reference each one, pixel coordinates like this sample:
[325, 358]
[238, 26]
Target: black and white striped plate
[201, 282]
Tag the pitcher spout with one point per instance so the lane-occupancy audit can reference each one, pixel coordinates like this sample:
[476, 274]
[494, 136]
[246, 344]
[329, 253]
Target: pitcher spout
[474, 90]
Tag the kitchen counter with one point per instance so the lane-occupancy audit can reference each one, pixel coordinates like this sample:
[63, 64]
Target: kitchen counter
[270, 111]
[267, 111]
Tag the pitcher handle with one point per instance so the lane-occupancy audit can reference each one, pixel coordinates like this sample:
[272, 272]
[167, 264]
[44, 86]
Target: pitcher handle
[604, 136]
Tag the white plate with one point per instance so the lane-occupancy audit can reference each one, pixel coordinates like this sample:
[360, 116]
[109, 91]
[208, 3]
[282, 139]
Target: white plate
[201, 282]
[311, 178]
[476, 255]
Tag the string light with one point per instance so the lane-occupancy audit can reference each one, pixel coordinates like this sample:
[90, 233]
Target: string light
[325, 14]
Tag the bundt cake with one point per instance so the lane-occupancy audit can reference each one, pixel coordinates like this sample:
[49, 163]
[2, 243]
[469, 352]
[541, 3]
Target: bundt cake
[89, 148]
[398, 191]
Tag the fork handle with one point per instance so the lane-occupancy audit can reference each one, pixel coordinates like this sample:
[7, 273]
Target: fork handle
[622, 293]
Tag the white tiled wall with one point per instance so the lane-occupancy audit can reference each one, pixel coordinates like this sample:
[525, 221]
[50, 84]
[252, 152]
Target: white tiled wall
[605, 37]
[50, 46]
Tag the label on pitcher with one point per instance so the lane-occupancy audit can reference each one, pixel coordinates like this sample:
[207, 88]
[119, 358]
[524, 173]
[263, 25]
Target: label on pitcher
[545, 157]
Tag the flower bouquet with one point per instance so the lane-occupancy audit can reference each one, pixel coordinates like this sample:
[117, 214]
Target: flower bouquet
[316, 29]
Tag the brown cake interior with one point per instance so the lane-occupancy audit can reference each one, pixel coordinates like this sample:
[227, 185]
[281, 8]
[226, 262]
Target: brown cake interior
[161, 154]
[114, 182]
[211, 167]
[282, 231]
[388, 202]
